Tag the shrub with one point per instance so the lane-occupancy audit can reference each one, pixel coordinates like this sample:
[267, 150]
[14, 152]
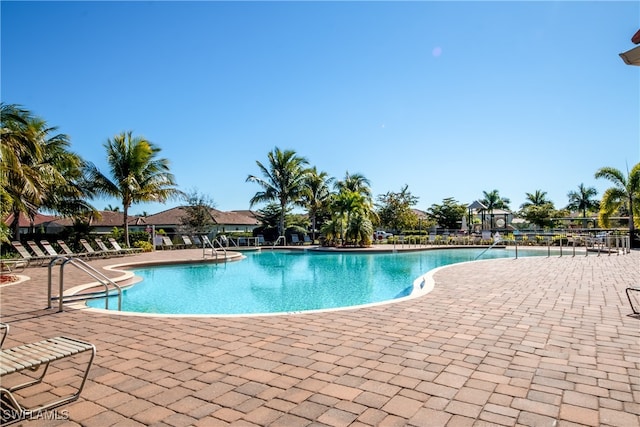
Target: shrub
[146, 246]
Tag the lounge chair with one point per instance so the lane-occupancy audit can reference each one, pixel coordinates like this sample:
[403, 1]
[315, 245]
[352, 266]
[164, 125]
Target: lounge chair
[34, 357]
[206, 242]
[90, 251]
[24, 253]
[117, 247]
[260, 240]
[307, 239]
[187, 242]
[50, 250]
[105, 249]
[67, 251]
[196, 241]
[634, 301]
[166, 242]
[13, 265]
[36, 250]
[295, 240]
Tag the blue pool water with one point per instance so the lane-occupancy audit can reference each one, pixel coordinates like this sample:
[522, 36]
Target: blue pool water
[275, 281]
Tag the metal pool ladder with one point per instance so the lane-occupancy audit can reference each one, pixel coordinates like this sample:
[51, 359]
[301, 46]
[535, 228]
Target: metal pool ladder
[110, 287]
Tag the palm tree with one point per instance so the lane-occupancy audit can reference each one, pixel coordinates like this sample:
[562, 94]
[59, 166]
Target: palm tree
[283, 181]
[583, 200]
[492, 200]
[37, 169]
[354, 211]
[538, 198]
[624, 194]
[316, 195]
[138, 174]
[355, 182]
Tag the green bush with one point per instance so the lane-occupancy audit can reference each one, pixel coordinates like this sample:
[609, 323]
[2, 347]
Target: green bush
[146, 246]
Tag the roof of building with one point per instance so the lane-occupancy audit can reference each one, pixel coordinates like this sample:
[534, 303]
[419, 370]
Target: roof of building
[174, 216]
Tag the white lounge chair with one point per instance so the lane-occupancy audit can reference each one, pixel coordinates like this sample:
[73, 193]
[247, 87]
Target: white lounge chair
[90, 251]
[67, 251]
[166, 242]
[24, 253]
[120, 249]
[50, 250]
[36, 250]
[187, 241]
[105, 249]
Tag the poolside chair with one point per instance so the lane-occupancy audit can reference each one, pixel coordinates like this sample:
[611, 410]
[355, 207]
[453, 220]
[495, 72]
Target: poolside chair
[67, 251]
[105, 249]
[34, 357]
[36, 250]
[117, 247]
[167, 242]
[206, 242]
[260, 240]
[50, 250]
[307, 239]
[24, 253]
[187, 241]
[90, 251]
[196, 240]
[13, 266]
[295, 240]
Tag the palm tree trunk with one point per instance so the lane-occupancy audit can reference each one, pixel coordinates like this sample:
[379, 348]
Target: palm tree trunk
[126, 224]
[632, 227]
[15, 225]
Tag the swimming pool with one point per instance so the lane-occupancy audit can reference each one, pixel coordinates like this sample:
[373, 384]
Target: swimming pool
[285, 282]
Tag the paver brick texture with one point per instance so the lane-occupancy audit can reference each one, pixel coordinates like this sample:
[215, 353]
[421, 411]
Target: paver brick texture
[515, 342]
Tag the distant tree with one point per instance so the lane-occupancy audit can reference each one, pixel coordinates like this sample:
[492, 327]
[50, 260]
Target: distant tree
[583, 201]
[269, 218]
[198, 212]
[448, 214]
[316, 196]
[492, 200]
[356, 183]
[283, 181]
[138, 175]
[112, 208]
[540, 215]
[537, 209]
[394, 209]
[625, 193]
[537, 198]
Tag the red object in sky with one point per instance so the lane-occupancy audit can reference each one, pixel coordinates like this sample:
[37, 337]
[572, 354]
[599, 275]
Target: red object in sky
[636, 37]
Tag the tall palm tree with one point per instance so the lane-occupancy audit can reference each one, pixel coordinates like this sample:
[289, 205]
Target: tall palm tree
[492, 200]
[37, 169]
[355, 182]
[138, 174]
[625, 194]
[538, 198]
[316, 195]
[583, 200]
[283, 181]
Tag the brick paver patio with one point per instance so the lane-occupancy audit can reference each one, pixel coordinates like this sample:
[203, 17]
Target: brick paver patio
[532, 342]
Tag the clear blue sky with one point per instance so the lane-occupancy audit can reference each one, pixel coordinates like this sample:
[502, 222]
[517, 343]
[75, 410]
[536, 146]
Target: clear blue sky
[451, 98]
